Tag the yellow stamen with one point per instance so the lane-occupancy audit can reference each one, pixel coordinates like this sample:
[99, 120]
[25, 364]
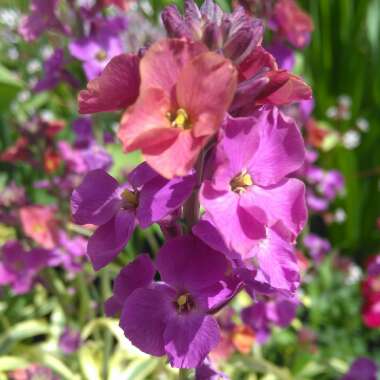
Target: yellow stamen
[182, 299]
[38, 228]
[241, 182]
[181, 119]
[101, 55]
[130, 197]
[184, 303]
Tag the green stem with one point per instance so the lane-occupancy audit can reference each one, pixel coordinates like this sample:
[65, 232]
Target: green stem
[184, 374]
[84, 300]
[191, 207]
[58, 288]
[105, 293]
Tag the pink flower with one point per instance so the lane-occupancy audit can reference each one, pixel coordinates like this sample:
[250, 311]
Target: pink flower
[292, 22]
[184, 95]
[261, 82]
[116, 88]
[39, 223]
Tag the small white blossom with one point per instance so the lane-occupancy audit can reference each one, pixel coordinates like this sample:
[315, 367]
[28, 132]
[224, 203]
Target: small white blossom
[332, 112]
[9, 17]
[340, 215]
[33, 66]
[362, 124]
[351, 139]
[23, 96]
[13, 53]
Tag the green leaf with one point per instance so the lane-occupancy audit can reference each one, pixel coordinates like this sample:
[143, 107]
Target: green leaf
[9, 87]
[10, 363]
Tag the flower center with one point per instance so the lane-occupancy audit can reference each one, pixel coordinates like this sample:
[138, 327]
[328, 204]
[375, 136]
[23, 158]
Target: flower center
[38, 228]
[184, 303]
[130, 199]
[241, 182]
[101, 55]
[180, 119]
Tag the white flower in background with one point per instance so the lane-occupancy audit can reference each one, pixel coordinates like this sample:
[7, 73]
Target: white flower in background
[23, 96]
[13, 54]
[351, 139]
[354, 275]
[47, 115]
[32, 81]
[33, 66]
[46, 51]
[332, 112]
[340, 215]
[9, 17]
[362, 124]
[344, 101]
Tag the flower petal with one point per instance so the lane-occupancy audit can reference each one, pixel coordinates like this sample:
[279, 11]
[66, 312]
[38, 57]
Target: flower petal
[164, 60]
[159, 197]
[206, 105]
[189, 339]
[137, 274]
[95, 200]
[116, 88]
[144, 317]
[110, 239]
[284, 203]
[187, 264]
[281, 150]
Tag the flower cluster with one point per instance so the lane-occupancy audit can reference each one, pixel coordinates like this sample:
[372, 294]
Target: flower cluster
[218, 177]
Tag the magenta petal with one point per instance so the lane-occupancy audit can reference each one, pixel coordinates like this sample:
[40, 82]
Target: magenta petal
[240, 142]
[144, 317]
[281, 150]
[277, 267]
[159, 197]
[186, 263]
[137, 274]
[189, 339]
[284, 203]
[96, 200]
[141, 174]
[110, 239]
[239, 228]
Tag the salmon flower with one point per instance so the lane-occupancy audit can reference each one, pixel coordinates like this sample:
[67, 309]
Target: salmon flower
[184, 95]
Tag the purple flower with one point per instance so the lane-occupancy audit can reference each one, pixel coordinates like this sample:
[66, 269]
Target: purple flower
[207, 372]
[70, 253]
[331, 184]
[84, 135]
[264, 314]
[146, 199]
[174, 316]
[250, 188]
[96, 50]
[284, 56]
[19, 268]
[374, 266]
[362, 369]
[83, 159]
[42, 17]
[316, 246]
[69, 341]
[54, 73]
[236, 35]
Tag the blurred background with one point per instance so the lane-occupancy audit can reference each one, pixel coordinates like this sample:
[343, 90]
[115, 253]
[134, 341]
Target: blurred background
[52, 323]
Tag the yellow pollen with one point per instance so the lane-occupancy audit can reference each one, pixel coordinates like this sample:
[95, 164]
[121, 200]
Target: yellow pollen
[241, 182]
[101, 55]
[181, 119]
[38, 228]
[130, 197]
[181, 300]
